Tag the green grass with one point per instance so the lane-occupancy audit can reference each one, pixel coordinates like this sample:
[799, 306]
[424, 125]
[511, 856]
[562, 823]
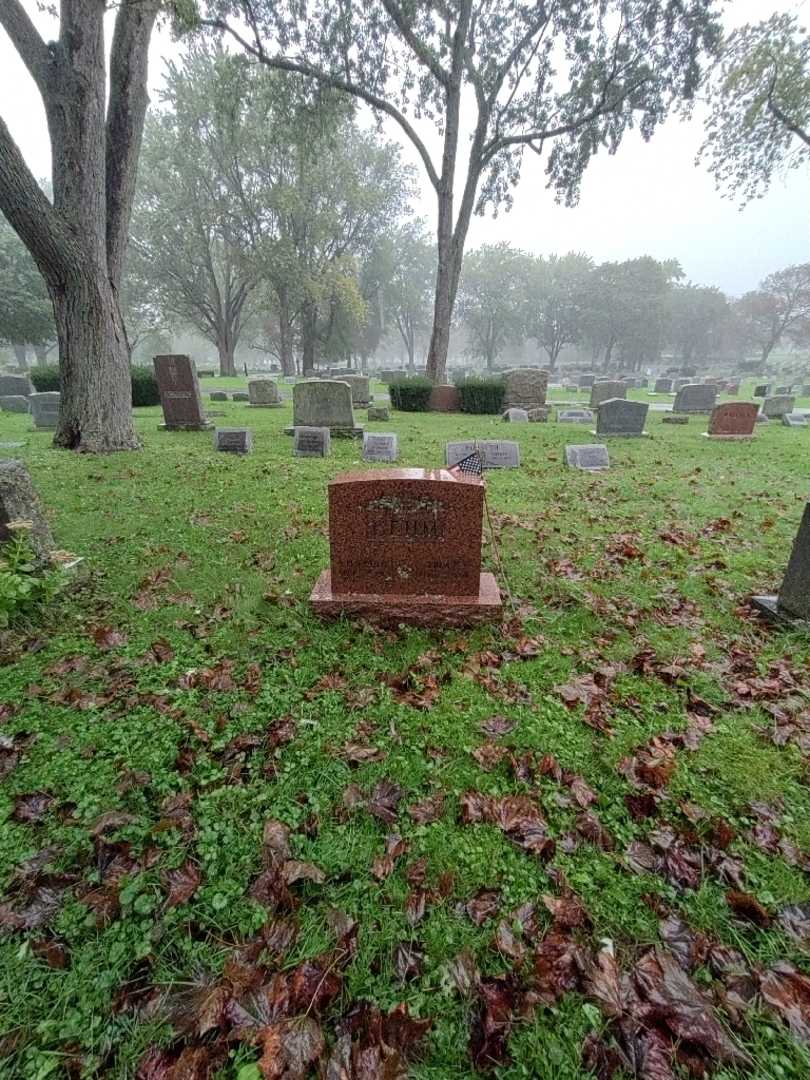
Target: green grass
[242, 541]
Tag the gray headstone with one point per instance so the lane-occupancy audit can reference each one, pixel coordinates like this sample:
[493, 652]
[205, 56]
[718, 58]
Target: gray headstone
[794, 420]
[525, 388]
[15, 385]
[240, 395]
[180, 393]
[574, 416]
[45, 409]
[455, 451]
[793, 599]
[696, 398]
[14, 403]
[617, 416]
[604, 389]
[806, 391]
[590, 457]
[497, 454]
[311, 442]
[233, 440]
[380, 446]
[379, 412]
[324, 403]
[263, 393]
[663, 386]
[20, 502]
[516, 416]
[360, 387]
[761, 390]
[585, 382]
[775, 407]
[218, 395]
[539, 415]
[782, 390]
[762, 419]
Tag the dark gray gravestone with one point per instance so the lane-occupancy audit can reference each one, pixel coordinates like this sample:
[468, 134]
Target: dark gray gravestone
[233, 440]
[695, 398]
[574, 416]
[45, 409]
[806, 391]
[15, 385]
[617, 416]
[775, 407]
[604, 389]
[455, 451]
[516, 416]
[585, 382]
[590, 457]
[761, 390]
[180, 393]
[793, 599]
[240, 395]
[380, 446]
[324, 403]
[497, 454]
[794, 420]
[218, 395]
[663, 386]
[19, 502]
[311, 442]
[14, 403]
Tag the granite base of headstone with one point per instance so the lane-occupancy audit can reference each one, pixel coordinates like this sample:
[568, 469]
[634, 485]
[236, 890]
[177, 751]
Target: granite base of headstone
[180, 397]
[45, 409]
[734, 420]
[19, 502]
[498, 454]
[516, 416]
[380, 446]
[379, 413]
[312, 442]
[324, 403]
[405, 547]
[14, 403]
[589, 457]
[233, 440]
[620, 418]
[792, 603]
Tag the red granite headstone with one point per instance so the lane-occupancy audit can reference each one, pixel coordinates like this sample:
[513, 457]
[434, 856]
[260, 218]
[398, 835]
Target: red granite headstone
[405, 546]
[180, 393]
[733, 420]
[444, 398]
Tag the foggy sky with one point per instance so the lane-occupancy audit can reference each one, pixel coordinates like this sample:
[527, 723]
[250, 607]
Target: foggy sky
[648, 199]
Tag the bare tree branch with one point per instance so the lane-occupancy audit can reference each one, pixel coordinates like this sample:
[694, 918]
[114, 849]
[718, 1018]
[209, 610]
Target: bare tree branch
[418, 47]
[26, 39]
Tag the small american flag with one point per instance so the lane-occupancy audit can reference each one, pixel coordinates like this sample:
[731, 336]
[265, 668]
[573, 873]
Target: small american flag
[471, 465]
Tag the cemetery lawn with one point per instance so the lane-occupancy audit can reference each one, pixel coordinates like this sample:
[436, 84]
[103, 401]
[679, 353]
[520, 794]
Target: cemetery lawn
[179, 709]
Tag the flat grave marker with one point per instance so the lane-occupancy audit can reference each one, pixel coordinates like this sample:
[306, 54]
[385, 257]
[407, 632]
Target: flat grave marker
[233, 440]
[499, 454]
[312, 442]
[380, 446]
[590, 457]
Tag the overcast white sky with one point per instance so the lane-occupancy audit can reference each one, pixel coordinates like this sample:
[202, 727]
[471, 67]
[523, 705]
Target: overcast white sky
[649, 199]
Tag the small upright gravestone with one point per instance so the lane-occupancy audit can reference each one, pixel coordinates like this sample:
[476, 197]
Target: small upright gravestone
[240, 395]
[405, 547]
[663, 386]
[516, 416]
[263, 394]
[497, 454]
[180, 394]
[324, 403]
[15, 403]
[793, 599]
[733, 420]
[19, 502]
[695, 398]
[591, 457]
[775, 407]
[15, 385]
[379, 413]
[233, 440]
[45, 409]
[604, 389]
[218, 395]
[585, 382]
[574, 416]
[360, 388]
[311, 442]
[456, 451]
[380, 446]
[617, 416]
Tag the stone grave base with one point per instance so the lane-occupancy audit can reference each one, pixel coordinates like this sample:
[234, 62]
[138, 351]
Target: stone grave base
[207, 426]
[335, 432]
[727, 438]
[768, 606]
[266, 405]
[388, 610]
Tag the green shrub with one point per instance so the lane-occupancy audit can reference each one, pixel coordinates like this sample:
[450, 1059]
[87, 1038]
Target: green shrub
[481, 394]
[144, 384]
[410, 395]
[144, 387]
[46, 378]
[23, 583]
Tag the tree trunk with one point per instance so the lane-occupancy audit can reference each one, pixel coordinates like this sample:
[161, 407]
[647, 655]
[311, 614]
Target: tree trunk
[95, 411]
[309, 320]
[285, 335]
[227, 362]
[20, 352]
[41, 353]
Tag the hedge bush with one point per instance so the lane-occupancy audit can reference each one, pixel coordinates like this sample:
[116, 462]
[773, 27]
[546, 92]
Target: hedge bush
[46, 378]
[481, 394]
[410, 395]
[144, 387]
[144, 384]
